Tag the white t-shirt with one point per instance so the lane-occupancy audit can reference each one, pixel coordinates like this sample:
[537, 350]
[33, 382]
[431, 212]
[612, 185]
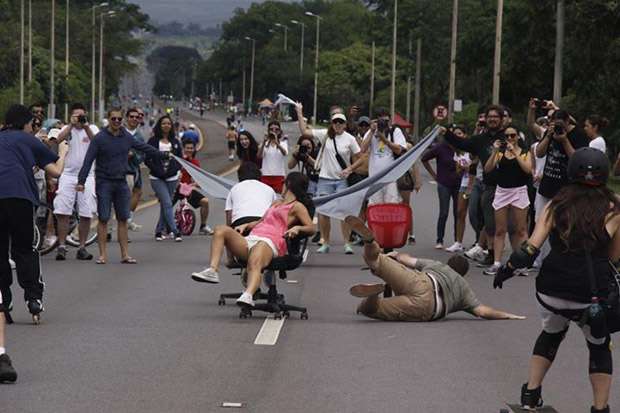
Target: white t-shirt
[381, 155]
[249, 198]
[274, 163]
[464, 161]
[78, 142]
[599, 143]
[347, 146]
[540, 165]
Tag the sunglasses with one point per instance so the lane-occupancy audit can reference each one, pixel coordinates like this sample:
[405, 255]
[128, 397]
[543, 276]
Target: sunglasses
[134, 116]
[338, 121]
[511, 135]
[116, 119]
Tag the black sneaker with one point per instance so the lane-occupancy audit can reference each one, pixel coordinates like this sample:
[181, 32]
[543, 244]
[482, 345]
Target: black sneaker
[35, 306]
[108, 237]
[84, 255]
[7, 372]
[61, 253]
[531, 399]
[317, 237]
[7, 307]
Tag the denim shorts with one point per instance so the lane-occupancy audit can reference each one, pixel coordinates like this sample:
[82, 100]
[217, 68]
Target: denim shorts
[112, 192]
[330, 186]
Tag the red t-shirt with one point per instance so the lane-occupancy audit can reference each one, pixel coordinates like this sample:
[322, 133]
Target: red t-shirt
[185, 177]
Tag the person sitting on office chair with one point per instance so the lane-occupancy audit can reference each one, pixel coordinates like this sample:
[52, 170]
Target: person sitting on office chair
[286, 218]
[425, 290]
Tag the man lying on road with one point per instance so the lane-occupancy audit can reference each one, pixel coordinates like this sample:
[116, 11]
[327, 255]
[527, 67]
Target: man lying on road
[425, 290]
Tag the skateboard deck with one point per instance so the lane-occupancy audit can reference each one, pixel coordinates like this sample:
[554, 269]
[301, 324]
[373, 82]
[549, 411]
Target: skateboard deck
[516, 408]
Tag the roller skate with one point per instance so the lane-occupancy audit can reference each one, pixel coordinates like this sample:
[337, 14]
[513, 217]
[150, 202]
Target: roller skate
[35, 307]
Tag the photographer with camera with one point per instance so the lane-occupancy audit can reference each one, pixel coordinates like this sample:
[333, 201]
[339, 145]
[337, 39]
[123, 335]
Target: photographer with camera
[576, 281]
[78, 134]
[513, 170]
[385, 143]
[304, 158]
[273, 152]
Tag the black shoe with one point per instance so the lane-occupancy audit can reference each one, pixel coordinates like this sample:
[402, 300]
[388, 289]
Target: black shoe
[605, 410]
[83, 255]
[35, 306]
[531, 399]
[7, 372]
[61, 253]
[108, 237]
[317, 237]
[7, 307]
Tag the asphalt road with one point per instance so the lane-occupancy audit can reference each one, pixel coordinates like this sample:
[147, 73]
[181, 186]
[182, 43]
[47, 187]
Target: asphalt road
[146, 338]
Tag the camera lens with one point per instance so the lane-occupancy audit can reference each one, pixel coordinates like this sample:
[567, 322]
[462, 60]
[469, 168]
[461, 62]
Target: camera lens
[558, 130]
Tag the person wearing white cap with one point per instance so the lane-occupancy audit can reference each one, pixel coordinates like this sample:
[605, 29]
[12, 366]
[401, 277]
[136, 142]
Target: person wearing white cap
[334, 162]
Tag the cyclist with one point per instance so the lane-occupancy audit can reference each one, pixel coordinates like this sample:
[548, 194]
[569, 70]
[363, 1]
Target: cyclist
[78, 134]
[195, 198]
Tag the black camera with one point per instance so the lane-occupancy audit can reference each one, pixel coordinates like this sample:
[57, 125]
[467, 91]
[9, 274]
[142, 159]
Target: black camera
[482, 123]
[383, 125]
[303, 150]
[82, 119]
[272, 136]
[558, 130]
[503, 145]
[540, 103]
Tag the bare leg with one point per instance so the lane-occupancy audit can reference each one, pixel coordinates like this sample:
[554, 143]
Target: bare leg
[123, 238]
[102, 233]
[136, 194]
[2, 321]
[346, 231]
[520, 223]
[539, 366]
[483, 241]
[83, 230]
[501, 224]
[63, 228]
[601, 384]
[325, 228]
[371, 254]
[259, 257]
[225, 236]
[204, 211]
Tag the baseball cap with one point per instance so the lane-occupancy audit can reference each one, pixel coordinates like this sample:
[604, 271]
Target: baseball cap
[339, 116]
[363, 119]
[192, 126]
[53, 133]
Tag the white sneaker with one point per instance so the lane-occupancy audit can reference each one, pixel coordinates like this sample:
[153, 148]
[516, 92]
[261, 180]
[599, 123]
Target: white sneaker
[439, 246]
[456, 247]
[12, 264]
[134, 227]
[475, 253]
[208, 275]
[492, 270]
[49, 241]
[206, 230]
[245, 300]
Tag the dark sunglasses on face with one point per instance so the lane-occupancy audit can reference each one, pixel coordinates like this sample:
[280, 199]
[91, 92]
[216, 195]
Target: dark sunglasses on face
[116, 119]
[134, 116]
[511, 135]
[338, 121]
[274, 129]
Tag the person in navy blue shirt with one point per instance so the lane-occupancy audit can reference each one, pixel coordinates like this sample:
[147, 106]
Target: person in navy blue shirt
[110, 149]
[20, 153]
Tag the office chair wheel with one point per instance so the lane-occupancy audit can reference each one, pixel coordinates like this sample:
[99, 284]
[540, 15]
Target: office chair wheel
[245, 313]
[221, 301]
[286, 314]
[277, 315]
[304, 315]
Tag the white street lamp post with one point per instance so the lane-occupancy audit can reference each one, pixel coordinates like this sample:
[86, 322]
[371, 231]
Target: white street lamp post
[93, 84]
[285, 33]
[252, 73]
[316, 65]
[301, 58]
[101, 92]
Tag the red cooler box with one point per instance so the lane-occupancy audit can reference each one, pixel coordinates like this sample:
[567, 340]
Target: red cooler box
[391, 224]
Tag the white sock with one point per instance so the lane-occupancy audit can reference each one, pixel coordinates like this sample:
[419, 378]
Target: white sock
[2, 350]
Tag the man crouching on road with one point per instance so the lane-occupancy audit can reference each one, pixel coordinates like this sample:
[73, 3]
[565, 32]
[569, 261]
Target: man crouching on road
[425, 290]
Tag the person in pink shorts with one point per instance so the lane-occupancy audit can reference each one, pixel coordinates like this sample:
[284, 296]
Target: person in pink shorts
[286, 218]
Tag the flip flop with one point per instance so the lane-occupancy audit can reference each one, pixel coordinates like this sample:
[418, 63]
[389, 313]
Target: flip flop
[129, 260]
[100, 261]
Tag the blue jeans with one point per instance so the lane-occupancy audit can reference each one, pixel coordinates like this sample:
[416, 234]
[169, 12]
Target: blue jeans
[112, 192]
[330, 186]
[445, 193]
[476, 218]
[164, 190]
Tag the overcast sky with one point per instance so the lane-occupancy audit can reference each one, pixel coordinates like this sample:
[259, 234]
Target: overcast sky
[204, 12]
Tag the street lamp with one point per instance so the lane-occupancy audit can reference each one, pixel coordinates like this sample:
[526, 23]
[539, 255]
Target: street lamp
[393, 86]
[316, 64]
[94, 63]
[101, 97]
[301, 58]
[66, 60]
[21, 56]
[52, 109]
[285, 31]
[252, 72]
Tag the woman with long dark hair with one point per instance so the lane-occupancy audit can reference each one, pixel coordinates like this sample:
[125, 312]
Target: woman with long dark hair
[583, 227]
[286, 218]
[164, 175]
[247, 148]
[273, 152]
[304, 157]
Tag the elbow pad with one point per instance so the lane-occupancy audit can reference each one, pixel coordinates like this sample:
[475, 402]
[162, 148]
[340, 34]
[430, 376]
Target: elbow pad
[524, 257]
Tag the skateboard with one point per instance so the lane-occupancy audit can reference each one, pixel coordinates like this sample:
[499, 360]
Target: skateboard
[516, 408]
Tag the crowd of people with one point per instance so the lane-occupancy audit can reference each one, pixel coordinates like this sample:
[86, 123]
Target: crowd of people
[544, 188]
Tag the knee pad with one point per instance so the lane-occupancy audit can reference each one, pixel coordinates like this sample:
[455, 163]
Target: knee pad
[600, 358]
[547, 344]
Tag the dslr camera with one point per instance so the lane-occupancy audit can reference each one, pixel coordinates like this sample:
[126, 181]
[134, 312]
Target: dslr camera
[558, 129]
[503, 145]
[302, 154]
[383, 125]
[82, 119]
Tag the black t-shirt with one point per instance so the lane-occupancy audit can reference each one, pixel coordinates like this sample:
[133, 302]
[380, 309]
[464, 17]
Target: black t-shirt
[480, 146]
[554, 174]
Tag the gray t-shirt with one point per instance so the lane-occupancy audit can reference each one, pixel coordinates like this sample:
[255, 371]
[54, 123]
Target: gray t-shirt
[457, 294]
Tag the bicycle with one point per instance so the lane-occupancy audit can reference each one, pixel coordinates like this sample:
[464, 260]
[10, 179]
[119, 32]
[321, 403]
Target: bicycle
[184, 215]
[73, 239]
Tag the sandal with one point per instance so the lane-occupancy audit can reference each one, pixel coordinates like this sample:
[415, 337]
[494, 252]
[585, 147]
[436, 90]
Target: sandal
[129, 260]
[100, 261]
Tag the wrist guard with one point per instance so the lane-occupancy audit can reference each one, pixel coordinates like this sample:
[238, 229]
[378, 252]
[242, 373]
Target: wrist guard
[524, 257]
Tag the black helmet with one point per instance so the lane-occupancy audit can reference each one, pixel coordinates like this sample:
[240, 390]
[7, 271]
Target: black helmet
[588, 166]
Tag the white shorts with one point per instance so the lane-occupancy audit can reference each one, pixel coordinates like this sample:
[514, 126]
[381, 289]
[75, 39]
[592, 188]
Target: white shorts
[387, 195]
[252, 240]
[66, 193]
